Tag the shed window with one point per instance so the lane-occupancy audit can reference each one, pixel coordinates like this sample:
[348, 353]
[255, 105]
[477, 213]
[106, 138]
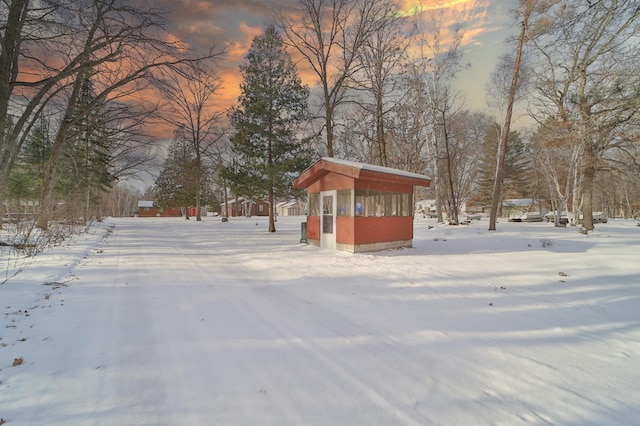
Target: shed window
[345, 207]
[359, 207]
[314, 204]
[407, 205]
[379, 203]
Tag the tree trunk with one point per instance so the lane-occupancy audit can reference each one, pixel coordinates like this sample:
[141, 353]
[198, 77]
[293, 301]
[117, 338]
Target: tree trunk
[380, 137]
[48, 182]
[329, 125]
[87, 194]
[436, 188]
[9, 53]
[87, 201]
[226, 201]
[198, 189]
[435, 181]
[453, 205]
[272, 222]
[502, 148]
[587, 193]
[50, 173]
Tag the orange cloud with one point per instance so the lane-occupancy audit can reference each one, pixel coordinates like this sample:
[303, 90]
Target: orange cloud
[470, 15]
[229, 71]
[412, 7]
[231, 88]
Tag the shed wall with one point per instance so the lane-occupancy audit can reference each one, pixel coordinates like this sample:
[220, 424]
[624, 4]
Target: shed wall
[383, 186]
[313, 228]
[156, 212]
[345, 229]
[330, 182]
[370, 230]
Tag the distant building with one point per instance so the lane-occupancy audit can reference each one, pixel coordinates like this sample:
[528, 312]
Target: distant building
[147, 209]
[243, 207]
[519, 206]
[290, 208]
[427, 208]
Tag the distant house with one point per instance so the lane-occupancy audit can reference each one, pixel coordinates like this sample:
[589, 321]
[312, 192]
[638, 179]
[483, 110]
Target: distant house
[519, 206]
[193, 212]
[290, 208]
[428, 208]
[147, 209]
[243, 207]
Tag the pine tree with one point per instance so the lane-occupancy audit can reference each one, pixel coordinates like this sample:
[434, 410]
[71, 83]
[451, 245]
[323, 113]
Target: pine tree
[87, 155]
[514, 182]
[272, 104]
[25, 180]
[176, 184]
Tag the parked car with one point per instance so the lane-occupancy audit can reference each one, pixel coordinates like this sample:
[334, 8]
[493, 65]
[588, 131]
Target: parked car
[515, 218]
[598, 217]
[526, 217]
[563, 217]
[531, 217]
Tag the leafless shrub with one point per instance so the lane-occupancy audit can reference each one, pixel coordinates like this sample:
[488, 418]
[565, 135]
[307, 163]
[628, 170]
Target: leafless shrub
[21, 241]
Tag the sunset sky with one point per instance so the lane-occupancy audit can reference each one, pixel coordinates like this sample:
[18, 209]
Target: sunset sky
[234, 23]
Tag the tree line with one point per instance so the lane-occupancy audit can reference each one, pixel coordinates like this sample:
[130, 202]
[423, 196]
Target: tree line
[73, 110]
[384, 92]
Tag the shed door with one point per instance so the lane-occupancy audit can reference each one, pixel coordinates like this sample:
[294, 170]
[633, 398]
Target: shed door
[329, 201]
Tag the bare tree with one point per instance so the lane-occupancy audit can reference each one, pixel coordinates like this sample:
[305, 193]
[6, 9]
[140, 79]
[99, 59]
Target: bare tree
[22, 96]
[587, 76]
[132, 150]
[524, 11]
[121, 201]
[468, 131]
[329, 35]
[355, 141]
[118, 49]
[407, 137]
[438, 63]
[381, 60]
[189, 91]
[497, 89]
[556, 157]
[49, 50]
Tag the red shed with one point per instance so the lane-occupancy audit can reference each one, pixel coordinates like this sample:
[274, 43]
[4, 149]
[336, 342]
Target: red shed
[359, 207]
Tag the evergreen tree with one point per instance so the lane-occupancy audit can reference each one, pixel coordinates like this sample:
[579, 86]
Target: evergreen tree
[25, 180]
[86, 157]
[272, 104]
[176, 184]
[516, 165]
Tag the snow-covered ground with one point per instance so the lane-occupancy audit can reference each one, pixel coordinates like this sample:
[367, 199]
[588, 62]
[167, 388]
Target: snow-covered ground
[174, 322]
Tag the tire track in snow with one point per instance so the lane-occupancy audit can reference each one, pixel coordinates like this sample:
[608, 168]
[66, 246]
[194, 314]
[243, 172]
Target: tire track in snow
[289, 318]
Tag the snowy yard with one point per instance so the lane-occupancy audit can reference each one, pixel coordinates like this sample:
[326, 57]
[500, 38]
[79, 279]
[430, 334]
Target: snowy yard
[174, 322]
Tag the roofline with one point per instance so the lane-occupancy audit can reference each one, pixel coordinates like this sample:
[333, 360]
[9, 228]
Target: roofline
[357, 171]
